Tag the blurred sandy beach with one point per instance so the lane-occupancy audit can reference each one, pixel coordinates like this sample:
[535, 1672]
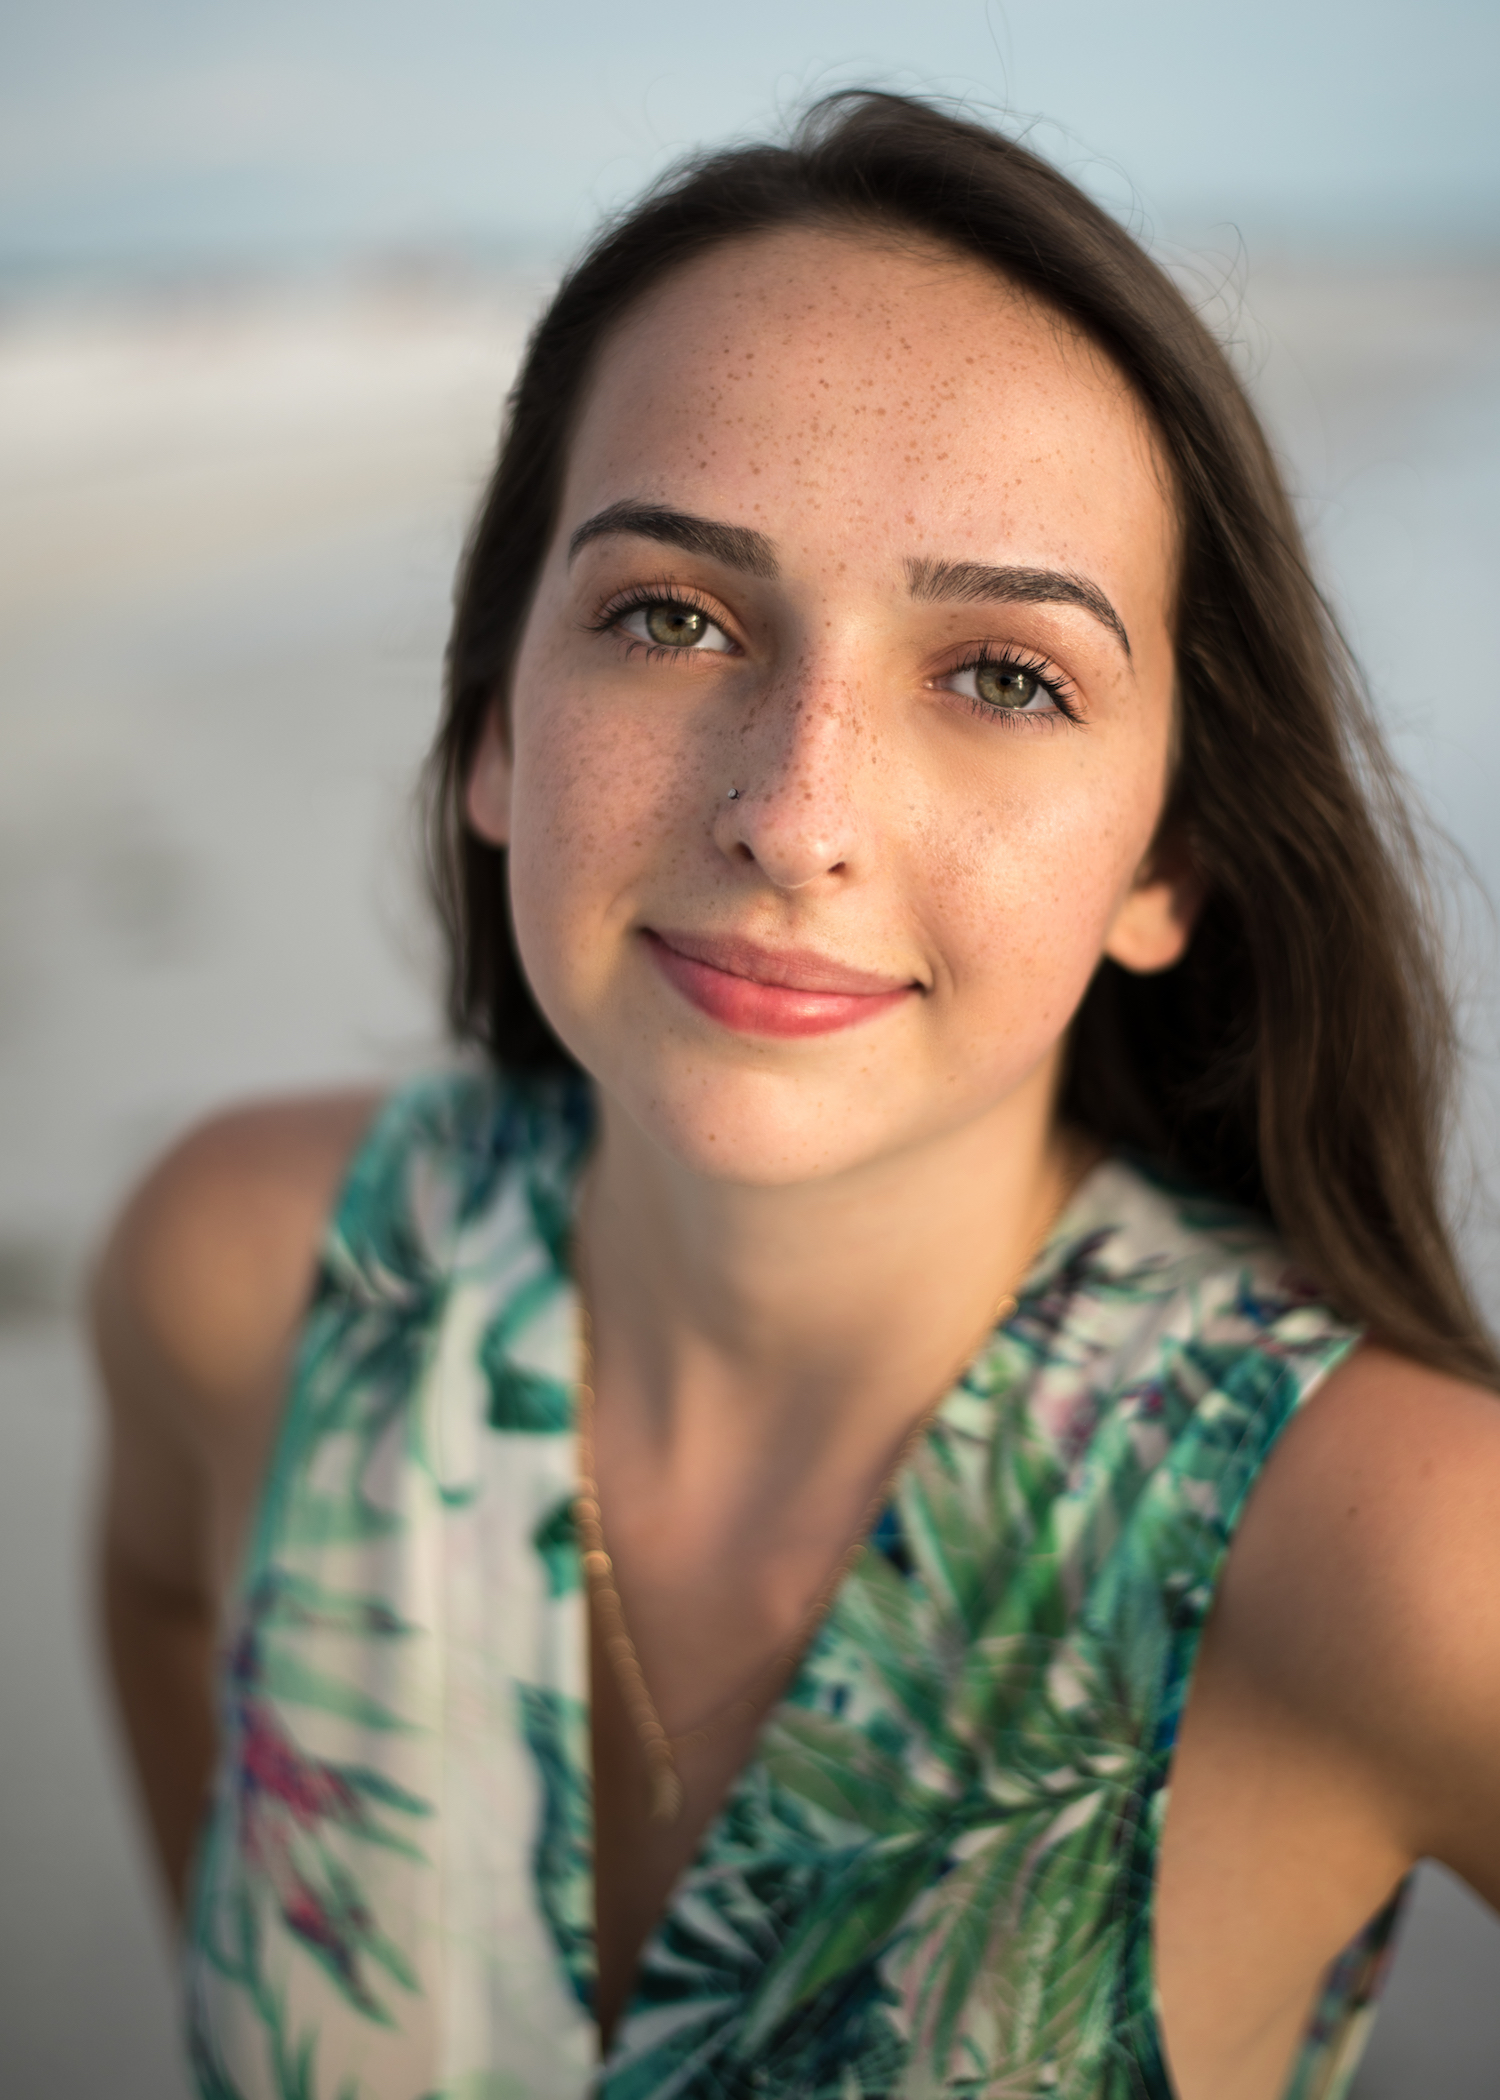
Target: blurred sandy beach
[228, 523]
[228, 528]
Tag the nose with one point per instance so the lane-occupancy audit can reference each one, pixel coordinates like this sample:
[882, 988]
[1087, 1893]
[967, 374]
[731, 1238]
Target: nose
[795, 810]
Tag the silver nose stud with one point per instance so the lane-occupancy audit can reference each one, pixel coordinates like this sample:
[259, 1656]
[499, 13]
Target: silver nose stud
[733, 795]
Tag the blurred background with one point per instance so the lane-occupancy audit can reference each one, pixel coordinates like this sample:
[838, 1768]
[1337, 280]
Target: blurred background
[264, 274]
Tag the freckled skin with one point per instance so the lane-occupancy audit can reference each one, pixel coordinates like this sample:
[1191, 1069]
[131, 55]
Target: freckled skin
[789, 1244]
[860, 406]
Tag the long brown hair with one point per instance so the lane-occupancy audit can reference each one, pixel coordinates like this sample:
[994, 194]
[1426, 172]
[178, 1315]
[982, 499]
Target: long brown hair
[1299, 1058]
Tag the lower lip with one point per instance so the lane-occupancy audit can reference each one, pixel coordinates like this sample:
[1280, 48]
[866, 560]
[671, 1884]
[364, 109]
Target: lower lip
[767, 1009]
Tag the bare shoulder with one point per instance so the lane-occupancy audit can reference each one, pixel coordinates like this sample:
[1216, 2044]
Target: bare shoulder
[205, 1276]
[1390, 1469]
[1362, 1594]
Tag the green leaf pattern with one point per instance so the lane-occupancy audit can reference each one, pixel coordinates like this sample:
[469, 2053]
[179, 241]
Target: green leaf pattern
[934, 1877]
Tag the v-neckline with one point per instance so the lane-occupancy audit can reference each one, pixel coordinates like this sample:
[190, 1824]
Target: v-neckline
[954, 1412]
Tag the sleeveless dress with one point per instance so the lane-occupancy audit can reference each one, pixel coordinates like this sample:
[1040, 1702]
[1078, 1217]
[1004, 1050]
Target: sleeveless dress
[935, 1875]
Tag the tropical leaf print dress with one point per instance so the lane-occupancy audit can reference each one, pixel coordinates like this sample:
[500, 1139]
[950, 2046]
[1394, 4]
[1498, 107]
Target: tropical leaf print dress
[934, 1876]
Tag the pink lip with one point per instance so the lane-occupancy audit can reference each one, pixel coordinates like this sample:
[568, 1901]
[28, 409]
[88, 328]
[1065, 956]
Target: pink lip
[770, 991]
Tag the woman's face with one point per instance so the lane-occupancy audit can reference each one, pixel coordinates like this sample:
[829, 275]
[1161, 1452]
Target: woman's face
[841, 722]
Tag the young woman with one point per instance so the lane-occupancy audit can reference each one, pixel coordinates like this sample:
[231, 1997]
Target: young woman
[897, 1496]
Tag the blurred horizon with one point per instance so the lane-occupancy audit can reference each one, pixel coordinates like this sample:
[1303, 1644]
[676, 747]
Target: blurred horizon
[162, 140]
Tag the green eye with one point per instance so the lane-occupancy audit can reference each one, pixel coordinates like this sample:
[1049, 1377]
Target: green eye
[1005, 685]
[675, 626]
[671, 626]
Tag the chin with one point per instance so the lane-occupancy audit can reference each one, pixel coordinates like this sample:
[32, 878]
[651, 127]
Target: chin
[775, 1115]
[745, 1154]
[772, 1129]
[759, 1129]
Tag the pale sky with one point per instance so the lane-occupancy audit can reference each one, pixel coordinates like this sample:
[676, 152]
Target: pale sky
[167, 131]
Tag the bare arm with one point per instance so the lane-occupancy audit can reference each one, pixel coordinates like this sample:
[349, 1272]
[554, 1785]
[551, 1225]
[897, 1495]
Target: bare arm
[1344, 1719]
[1362, 1602]
[197, 1303]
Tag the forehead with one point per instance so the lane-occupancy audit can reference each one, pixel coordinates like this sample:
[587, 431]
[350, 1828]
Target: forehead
[835, 388]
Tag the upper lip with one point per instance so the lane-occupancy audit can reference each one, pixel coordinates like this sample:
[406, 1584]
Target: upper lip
[797, 969]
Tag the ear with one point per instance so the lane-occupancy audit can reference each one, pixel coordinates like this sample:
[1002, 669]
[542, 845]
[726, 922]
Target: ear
[1155, 921]
[491, 777]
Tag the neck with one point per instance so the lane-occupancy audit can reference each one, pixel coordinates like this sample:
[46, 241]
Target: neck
[796, 1304]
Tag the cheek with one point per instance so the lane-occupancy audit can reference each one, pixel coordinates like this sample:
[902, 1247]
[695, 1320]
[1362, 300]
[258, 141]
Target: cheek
[1023, 894]
[602, 791]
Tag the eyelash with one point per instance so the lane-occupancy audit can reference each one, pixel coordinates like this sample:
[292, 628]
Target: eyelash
[1059, 690]
[609, 616]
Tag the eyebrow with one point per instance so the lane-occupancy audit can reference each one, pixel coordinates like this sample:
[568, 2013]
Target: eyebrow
[930, 582]
[736, 546]
[972, 583]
